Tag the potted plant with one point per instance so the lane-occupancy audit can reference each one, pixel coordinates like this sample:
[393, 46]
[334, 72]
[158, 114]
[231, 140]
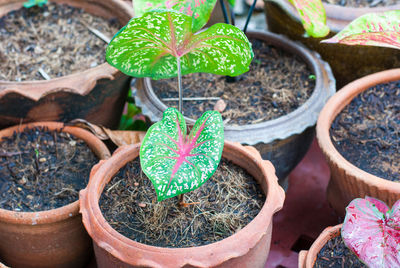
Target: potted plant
[285, 137]
[347, 63]
[369, 237]
[174, 162]
[40, 224]
[95, 93]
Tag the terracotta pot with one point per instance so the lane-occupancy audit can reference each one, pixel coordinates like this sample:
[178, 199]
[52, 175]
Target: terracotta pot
[347, 62]
[51, 238]
[284, 140]
[248, 247]
[308, 258]
[348, 181]
[97, 94]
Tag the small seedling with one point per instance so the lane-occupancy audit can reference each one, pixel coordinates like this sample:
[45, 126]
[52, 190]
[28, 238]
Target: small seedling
[372, 231]
[164, 44]
[32, 3]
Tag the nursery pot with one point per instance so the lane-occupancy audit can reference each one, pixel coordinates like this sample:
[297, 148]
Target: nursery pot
[96, 94]
[51, 238]
[284, 140]
[347, 62]
[248, 247]
[348, 181]
[307, 258]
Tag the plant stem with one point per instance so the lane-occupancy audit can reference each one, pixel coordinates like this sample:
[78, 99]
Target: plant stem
[249, 15]
[178, 63]
[223, 7]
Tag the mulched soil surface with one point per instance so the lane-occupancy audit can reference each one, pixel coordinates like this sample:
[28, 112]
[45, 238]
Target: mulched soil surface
[277, 84]
[362, 3]
[55, 38]
[367, 131]
[335, 254]
[42, 170]
[228, 201]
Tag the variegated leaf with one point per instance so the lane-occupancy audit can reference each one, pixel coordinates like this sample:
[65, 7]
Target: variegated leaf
[176, 163]
[313, 16]
[148, 47]
[32, 3]
[200, 10]
[372, 232]
[373, 29]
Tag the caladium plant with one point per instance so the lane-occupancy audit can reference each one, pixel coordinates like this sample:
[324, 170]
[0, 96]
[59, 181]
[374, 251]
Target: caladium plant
[177, 163]
[372, 231]
[199, 10]
[32, 3]
[373, 29]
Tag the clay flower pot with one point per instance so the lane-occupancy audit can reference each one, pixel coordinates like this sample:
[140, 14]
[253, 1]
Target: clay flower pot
[248, 247]
[348, 181]
[97, 94]
[347, 62]
[307, 258]
[51, 238]
[284, 140]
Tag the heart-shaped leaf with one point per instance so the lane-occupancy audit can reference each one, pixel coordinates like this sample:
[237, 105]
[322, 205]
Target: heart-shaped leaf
[372, 232]
[373, 29]
[176, 163]
[148, 47]
[199, 10]
[313, 17]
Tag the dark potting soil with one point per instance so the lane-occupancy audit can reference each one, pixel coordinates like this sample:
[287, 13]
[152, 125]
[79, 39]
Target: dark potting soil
[367, 131]
[335, 254]
[228, 201]
[42, 169]
[277, 83]
[362, 3]
[55, 38]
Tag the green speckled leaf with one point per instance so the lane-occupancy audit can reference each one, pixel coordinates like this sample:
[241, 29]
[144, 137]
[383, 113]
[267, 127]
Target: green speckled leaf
[373, 29]
[148, 47]
[32, 3]
[176, 163]
[200, 10]
[313, 16]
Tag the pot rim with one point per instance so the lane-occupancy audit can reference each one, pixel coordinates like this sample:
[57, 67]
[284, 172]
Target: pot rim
[64, 212]
[146, 255]
[81, 82]
[279, 128]
[320, 242]
[337, 16]
[333, 107]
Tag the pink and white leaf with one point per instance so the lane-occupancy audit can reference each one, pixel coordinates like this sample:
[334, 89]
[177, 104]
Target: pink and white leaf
[373, 29]
[372, 232]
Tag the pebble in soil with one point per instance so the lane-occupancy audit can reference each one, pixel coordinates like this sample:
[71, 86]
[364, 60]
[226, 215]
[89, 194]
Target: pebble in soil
[367, 131]
[228, 201]
[277, 84]
[335, 254]
[363, 3]
[42, 169]
[54, 37]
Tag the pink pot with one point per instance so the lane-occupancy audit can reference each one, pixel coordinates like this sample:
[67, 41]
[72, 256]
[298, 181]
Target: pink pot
[248, 247]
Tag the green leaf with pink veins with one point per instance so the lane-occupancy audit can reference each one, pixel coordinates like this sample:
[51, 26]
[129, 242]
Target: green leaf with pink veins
[148, 47]
[372, 231]
[176, 163]
[373, 29]
[313, 17]
[199, 10]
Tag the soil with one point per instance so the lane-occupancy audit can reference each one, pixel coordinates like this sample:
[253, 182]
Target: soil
[42, 169]
[367, 131]
[335, 254]
[362, 3]
[228, 201]
[54, 37]
[277, 83]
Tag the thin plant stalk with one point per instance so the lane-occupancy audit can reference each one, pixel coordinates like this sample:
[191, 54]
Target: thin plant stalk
[223, 7]
[249, 16]
[178, 63]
